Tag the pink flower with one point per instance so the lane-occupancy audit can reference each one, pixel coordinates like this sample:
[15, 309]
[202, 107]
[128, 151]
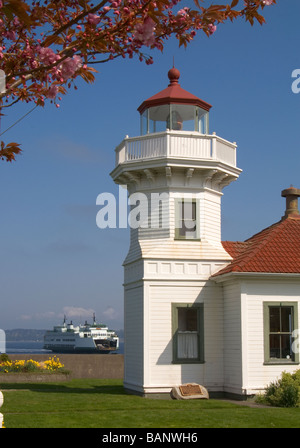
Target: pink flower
[267, 2]
[93, 19]
[48, 56]
[144, 32]
[182, 12]
[182, 15]
[52, 92]
[212, 28]
[115, 3]
[10, 35]
[69, 66]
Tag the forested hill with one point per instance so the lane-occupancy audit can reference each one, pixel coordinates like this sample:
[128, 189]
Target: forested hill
[21, 334]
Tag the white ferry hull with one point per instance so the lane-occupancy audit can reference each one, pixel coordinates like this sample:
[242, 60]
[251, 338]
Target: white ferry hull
[80, 345]
[81, 339]
[76, 350]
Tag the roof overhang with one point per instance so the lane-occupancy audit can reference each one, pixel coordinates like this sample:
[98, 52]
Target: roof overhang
[173, 94]
[255, 276]
[178, 97]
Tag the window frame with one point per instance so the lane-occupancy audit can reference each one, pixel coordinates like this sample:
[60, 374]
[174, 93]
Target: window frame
[267, 332]
[200, 330]
[178, 205]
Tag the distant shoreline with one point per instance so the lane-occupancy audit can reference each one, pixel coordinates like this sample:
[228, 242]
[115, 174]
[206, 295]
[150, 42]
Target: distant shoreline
[36, 347]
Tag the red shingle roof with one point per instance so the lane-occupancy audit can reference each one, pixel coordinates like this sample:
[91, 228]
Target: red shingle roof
[275, 249]
[173, 94]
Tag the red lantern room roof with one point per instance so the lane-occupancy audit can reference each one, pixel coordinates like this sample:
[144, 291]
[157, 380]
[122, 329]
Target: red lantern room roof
[173, 94]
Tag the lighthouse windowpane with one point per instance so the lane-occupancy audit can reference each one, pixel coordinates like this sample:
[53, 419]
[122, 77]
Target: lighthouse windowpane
[175, 117]
[182, 118]
[157, 126]
[201, 121]
[144, 123]
[186, 222]
[158, 117]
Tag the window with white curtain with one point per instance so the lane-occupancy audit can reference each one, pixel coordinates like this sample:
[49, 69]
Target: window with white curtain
[187, 321]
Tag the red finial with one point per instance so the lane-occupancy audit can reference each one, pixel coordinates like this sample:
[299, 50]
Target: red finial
[173, 75]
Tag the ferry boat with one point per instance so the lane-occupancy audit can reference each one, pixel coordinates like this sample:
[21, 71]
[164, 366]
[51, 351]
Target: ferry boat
[87, 338]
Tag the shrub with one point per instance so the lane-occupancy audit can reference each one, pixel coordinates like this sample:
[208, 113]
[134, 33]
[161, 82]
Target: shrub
[31, 366]
[52, 365]
[4, 357]
[284, 392]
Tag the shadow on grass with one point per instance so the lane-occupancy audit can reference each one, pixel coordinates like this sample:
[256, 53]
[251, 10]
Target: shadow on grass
[114, 389]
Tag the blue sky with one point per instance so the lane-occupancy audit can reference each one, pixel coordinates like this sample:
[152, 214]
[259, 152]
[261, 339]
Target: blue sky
[53, 257]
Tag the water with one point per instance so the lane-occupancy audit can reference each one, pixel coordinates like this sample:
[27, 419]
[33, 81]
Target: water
[35, 347]
[25, 347]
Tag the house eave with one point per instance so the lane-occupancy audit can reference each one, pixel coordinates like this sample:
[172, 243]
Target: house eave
[255, 275]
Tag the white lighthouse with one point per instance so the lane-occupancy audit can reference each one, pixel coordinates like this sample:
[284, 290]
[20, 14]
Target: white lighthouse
[180, 169]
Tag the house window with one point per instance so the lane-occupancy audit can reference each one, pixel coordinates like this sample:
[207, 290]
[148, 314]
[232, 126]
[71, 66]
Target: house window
[279, 324]
[186, 219]
[187, 326]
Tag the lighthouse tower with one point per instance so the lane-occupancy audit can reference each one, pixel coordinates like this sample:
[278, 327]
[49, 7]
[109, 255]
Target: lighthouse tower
[175, 172]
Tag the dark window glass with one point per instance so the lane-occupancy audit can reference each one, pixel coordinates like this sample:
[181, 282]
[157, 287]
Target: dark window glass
[281, 328]
[187, 219]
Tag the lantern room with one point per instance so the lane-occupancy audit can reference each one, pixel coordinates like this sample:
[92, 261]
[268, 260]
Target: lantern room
[174, 109]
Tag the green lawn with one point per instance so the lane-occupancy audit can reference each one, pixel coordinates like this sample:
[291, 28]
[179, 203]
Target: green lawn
[105, 404]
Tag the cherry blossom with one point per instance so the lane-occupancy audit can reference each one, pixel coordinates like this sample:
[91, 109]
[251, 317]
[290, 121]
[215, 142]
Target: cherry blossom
[46, 45]
[144, 32]
[52, 92]
[93, 19]
[211, 28]
[47, 56]
[69, 66]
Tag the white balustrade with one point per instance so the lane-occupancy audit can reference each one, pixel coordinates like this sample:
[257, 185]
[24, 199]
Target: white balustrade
[180, 144]
[226, 151]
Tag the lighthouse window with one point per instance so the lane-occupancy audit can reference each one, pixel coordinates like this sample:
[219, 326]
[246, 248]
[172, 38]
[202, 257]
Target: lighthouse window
[174, 117]
[186, 219]
[144, 123]
[201, 121]
[279, 323]
[158, 118]
[187, 325]
[181, 118]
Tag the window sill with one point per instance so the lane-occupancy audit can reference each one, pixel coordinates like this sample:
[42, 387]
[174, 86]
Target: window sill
[283, 362]
[188, 361]
[187, 239]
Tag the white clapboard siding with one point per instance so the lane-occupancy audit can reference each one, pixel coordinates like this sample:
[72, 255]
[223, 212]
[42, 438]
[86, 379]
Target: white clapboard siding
[161, 242]
[162, 373]
[232, 337]
[133, 323]
[259, 374]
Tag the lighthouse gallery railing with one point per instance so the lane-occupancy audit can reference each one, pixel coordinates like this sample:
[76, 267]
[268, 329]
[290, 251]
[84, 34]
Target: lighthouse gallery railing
[177, 144]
